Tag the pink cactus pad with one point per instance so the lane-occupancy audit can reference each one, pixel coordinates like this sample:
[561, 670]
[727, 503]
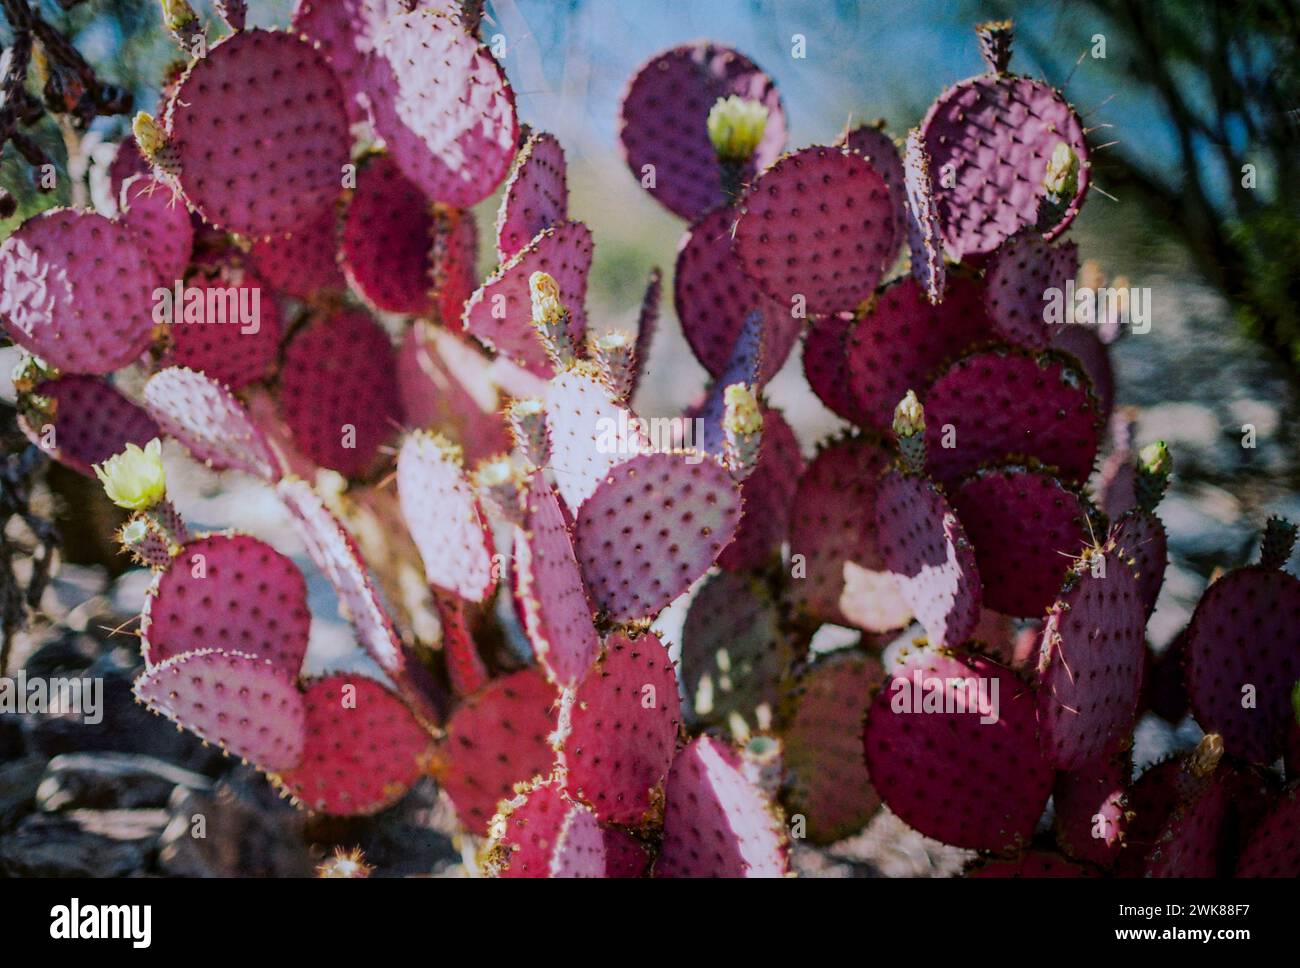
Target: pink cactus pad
[364, 749]
[213, 425]
[465, 667]
[825, 365]
[238, 702]
[944, 766]
[549, 591]
[1272, 849]
[622, 724]
[1033, 864]
[1191, 842]
[1152, 798]
[542, 833]
[716, 822]
[989, 139]
[92, 421]
[127, 162]
[921, 218]
[1091, 810]
[1090, 664]
[536, 196]
[901, 342]
[713, 297]
[589, 434]
[819, 224]
[826, 778]
[229, 331]
[499, 313]
[832, 521]
[925, 548]
[495, 740]
[873, 143]
[337, 393]
[625, 856]
[1026, 526]
[77, 290]
[443, 105]
[1145, 545]
[1246, 632]
[735, 655]
[231, 592]
[444, 517]
[303, 263]
[333, 550]
[161, 224]
[1021, 273]
[1163, 687]
[663, 123]
[345, 31]
[455, 258]
[388, 236]
[261, 133]
[1083, 343]
[766, 494]
[1005, 403]
[647, 324]
[655, 524]
[445, 386]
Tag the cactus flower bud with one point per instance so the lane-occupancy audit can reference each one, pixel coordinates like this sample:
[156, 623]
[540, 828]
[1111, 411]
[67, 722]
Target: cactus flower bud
[742, 427]
[909, 416]
[180, 20]
[551, 318]
[614, 354]
[1156, 459]
[743, 415]
[134, 479]
[154, 144]
[149, 135]
[909, 427]
[1062, 176]
[736, 126]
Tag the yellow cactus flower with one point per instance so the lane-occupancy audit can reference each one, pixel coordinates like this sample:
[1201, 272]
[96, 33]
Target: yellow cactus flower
[736, 127]
[742, 415]
[1062, 176]
[149, 135]
[134, 479]
[909, 416]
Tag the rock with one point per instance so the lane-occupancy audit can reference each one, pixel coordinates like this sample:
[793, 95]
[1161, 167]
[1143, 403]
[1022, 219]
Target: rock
[18, 782]
[247, 831]
[70, 654]
[103, 781]
[11, 737]
[82, 843]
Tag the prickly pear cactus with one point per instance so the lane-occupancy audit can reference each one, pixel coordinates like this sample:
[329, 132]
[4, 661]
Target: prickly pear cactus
[698, 643]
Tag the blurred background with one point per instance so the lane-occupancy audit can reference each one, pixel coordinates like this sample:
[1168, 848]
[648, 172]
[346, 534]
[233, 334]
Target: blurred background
[1193, 110]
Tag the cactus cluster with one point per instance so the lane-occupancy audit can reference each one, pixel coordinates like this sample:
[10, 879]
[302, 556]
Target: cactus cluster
[481, 435]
